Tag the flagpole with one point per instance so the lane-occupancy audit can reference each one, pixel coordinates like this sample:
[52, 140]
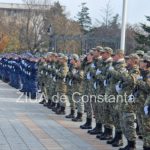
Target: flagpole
[124, 24]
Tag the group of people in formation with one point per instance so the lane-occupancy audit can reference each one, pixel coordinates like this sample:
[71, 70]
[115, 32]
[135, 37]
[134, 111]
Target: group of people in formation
[110, 88]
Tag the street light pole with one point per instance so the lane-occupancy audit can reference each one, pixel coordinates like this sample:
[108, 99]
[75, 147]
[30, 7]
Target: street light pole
[124, 22]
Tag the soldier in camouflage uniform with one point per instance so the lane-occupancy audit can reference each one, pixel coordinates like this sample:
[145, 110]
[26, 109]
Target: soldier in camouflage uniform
[77, 87]
[128, 118]
[48, 79]
[142, 101]
[119, 66]
[102, 78]
[61, 87]
[140, 53]
[94, 90]
[70, 91]
[87, 92]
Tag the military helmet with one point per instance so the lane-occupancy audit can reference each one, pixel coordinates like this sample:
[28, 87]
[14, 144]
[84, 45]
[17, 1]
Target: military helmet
[134, 56]
[140, 52]
[100, 48]
[108, 49]
[75, 57]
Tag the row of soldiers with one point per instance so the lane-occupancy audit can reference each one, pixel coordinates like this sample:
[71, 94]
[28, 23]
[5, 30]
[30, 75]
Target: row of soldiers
[20, 71]
[92, 84]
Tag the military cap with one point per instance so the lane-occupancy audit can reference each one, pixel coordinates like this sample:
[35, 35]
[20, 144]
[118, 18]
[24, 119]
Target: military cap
[134, 56]
[99, 48]
[119, 51]
[108, 49]
[91, 51]
[75, 57]
[62, 56]
[140, 52]
[49, 53]
[146, 58]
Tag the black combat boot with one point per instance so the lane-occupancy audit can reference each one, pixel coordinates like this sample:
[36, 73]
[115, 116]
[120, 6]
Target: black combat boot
[78, 118]
[119, 140]
[96, 130]
[56, 107]
[102, 134]
[88, 124]
[71, 115]
[49, 104]
[61, 111]
[113, 140]
[108, 135]
[131, 145]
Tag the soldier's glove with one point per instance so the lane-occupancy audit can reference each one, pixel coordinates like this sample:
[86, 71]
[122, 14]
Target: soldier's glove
[95, 85]
[88, 76]
[93, 65]
[98, 72]
[111, 68]
[147, 110]
[131, 98]
[118, 87]
[105, 83]
[139, 78]
[70, 82]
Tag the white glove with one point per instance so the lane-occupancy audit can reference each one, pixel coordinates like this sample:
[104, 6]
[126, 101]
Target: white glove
[118, 88]
[49, 66]
[131, 98]
[139, 78]
[98, 72]
[95, 85]
[70, 82]
[54, 79]
[92, 65]
[146, 110]
[111, 68]
[88, 76]
[105, 83]
[74, 71]
[64, 79]
[135, 125]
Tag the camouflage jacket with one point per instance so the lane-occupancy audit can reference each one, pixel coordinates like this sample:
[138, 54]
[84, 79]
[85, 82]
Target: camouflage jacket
[128, 81]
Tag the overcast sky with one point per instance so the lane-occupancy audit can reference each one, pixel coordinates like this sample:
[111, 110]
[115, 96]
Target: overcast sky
[137, 9]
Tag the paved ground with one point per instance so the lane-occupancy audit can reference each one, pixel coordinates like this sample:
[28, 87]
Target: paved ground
[30, 126]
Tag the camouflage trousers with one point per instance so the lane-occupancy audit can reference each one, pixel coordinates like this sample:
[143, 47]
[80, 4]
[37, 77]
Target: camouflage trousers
[77, 99]
[144, 123]
[69, 93]
[62, 99]
[88, 108]
[41, 83]
[146, 130]
[128, 125]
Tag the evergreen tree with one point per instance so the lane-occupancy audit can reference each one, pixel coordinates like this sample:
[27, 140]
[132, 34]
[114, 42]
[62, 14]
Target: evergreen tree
[84, 18]
[143, 39]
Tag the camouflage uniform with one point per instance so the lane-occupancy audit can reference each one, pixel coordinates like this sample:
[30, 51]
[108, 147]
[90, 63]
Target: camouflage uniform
[77, 86]
[128, 117]
[119, 67]
[141, 93]
[61, 87]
